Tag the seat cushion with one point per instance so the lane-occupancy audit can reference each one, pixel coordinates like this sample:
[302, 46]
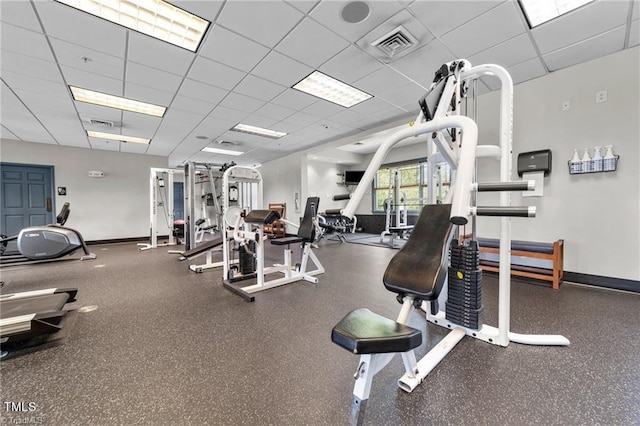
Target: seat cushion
[286, 241]
[365, 332]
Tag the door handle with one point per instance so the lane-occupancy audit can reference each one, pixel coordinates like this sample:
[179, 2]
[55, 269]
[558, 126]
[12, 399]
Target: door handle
[49, 204]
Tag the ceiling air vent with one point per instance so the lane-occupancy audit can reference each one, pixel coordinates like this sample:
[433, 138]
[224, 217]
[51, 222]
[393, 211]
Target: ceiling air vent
[101, 123]
[395, 42]
[228, 143]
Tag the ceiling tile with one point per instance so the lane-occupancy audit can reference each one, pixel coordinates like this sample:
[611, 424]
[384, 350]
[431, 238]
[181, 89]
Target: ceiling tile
[223, 46]
[431, 13]
[282, 70]
[384, 79]
[523, 71]
[87, 30]
[346, 117]
[45, 105]
[350, 65]
[183, 117]
[133, 148]
[20, 40]
[21, 82]
[303, 6]
[323, 109]
[16, 117]
[242, 102]
[191, 105]
[592, 48]
[263, 21]
[104, 144]
[88, 80]
[157, 54]
[96, 62]
[408, 93]
[134, 124]
[328, 13]
[151, 77]
[371, 106]
[87, 111]
[511, 52]
[301, 118]
[204, 9]
[260, 121]
[29, 66]
[230, 114]
[422, 64]
[7, 134]
[587, 21]
[494, 27]
[258, 88]
[634, 33]
[217, 74]
[204, 92]
[275, 112]
[19, 13]
[153, 96]
[295, 99]
[311, 43]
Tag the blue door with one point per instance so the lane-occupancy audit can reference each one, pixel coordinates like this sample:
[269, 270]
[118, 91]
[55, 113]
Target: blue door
[25, 197]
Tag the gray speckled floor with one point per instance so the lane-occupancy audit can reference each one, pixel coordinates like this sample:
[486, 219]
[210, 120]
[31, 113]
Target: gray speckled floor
[170, 347]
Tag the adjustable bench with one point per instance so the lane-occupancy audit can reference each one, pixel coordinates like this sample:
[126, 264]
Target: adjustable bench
[535, 250]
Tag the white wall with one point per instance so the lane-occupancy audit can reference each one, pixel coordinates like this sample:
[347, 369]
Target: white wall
[116, 206]
[324, 182]
[282, 179]
[598, 215]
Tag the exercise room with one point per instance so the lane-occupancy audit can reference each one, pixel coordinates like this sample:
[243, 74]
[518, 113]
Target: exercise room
[320, 212]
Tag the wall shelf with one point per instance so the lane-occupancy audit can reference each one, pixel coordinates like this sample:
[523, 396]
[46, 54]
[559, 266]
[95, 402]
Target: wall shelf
[591, 162]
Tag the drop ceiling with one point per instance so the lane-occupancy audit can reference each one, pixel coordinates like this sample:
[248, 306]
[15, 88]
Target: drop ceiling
[253, 53]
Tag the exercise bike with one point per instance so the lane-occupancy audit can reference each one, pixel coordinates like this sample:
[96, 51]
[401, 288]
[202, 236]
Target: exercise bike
[43, 243]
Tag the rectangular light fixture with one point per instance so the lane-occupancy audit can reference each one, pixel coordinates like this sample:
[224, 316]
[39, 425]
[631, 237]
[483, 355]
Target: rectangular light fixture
[114, 137]
[253, 130]
[541, 11]
[221, 151]
[103, 99]
[332, 90]
[155, 18]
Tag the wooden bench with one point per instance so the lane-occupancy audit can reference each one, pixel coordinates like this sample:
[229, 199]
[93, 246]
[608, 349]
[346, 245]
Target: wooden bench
[545, 251]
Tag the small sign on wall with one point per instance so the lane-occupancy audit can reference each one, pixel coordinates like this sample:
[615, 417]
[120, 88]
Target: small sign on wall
[62, 190]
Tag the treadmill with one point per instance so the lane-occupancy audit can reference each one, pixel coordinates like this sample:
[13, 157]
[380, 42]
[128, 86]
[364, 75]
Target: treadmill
[33, 318]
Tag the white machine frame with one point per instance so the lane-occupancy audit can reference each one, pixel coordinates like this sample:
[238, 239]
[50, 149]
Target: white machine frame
[462, 161]
[154, 200]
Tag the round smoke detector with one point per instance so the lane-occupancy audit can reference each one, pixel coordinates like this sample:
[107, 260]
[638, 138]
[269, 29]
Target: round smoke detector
[355, 11]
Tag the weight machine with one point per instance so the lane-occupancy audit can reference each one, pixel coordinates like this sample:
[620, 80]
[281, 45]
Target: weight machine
[396, 218]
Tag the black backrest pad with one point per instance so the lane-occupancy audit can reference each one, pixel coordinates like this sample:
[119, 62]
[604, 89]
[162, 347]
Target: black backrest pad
[307, 228]
[263, 217]
[420, 267]
[63, 215]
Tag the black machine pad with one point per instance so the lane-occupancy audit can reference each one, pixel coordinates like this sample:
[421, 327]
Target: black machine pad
[263, 217]
[365, 332]
[420, 267]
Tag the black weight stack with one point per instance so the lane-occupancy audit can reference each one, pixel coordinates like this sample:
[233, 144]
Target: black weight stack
[247, 261]
[464, 294]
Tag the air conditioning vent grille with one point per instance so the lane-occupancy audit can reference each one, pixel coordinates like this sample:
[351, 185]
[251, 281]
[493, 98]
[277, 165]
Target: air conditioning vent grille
[395, 42]
[101, 123]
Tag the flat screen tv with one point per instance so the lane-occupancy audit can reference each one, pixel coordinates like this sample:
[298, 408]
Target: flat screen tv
[353, 177]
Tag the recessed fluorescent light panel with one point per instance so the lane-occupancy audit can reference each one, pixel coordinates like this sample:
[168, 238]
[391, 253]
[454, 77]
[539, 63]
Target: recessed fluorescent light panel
[541, 11]
[103, 99]
[332, 90]
[221, 151]
[114, 137]
[253, 130]
[155, 18]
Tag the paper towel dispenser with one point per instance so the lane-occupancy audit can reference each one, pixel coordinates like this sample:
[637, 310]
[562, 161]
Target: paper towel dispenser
[534, 161]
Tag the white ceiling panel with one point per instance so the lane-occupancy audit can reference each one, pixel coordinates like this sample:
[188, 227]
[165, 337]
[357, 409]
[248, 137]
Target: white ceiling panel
[162, 150]
[211, 72]
[206, 9]
[153, 78]
[134, 148]
[230, 114]
[41, 103]
[158, 54]
[19, 13]
[303, 6]
[186, 119]
[422, 64]
[300, 118]
[592, 48]
[85, 30]
[384, 79]
[212, 126]
[311, 43]
[289, 127]
[105, 145]
[275, 112]
[87, 80]
[431, 13]
[30, 43]
[15, 113]
[65, 130]
[7, 134]
[260, 121]
[521, 72]
[371, 106]
[241, 102]
[191, 105]
[409, 93]
[280, 69]
[636, 10]
[328, 13]
[148, 94]
[350, 65]
[88, 111]
[204, 92]
[587, 21]
[223, 46]
[323, 109]
[347, 117]
[294, 99]
[134, 124]
[494, 27]
[511, 52]
[634, 34]
[263, 21]
[29, 66]
[259, 88]
[18, 81]
[96, 62]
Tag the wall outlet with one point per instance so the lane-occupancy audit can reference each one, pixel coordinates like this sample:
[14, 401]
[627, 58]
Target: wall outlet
[601, 96]
[566, 105]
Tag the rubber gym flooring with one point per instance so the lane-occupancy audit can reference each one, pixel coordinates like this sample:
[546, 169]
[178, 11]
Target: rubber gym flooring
[166, 346]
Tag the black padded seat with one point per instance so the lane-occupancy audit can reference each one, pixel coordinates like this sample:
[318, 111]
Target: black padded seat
[365, 332]
[420, 267]
[307, 229]
[286, 241]
[263, 217]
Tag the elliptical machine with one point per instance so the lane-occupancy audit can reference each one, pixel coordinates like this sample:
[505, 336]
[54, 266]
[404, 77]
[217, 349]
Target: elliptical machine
[40, 243]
